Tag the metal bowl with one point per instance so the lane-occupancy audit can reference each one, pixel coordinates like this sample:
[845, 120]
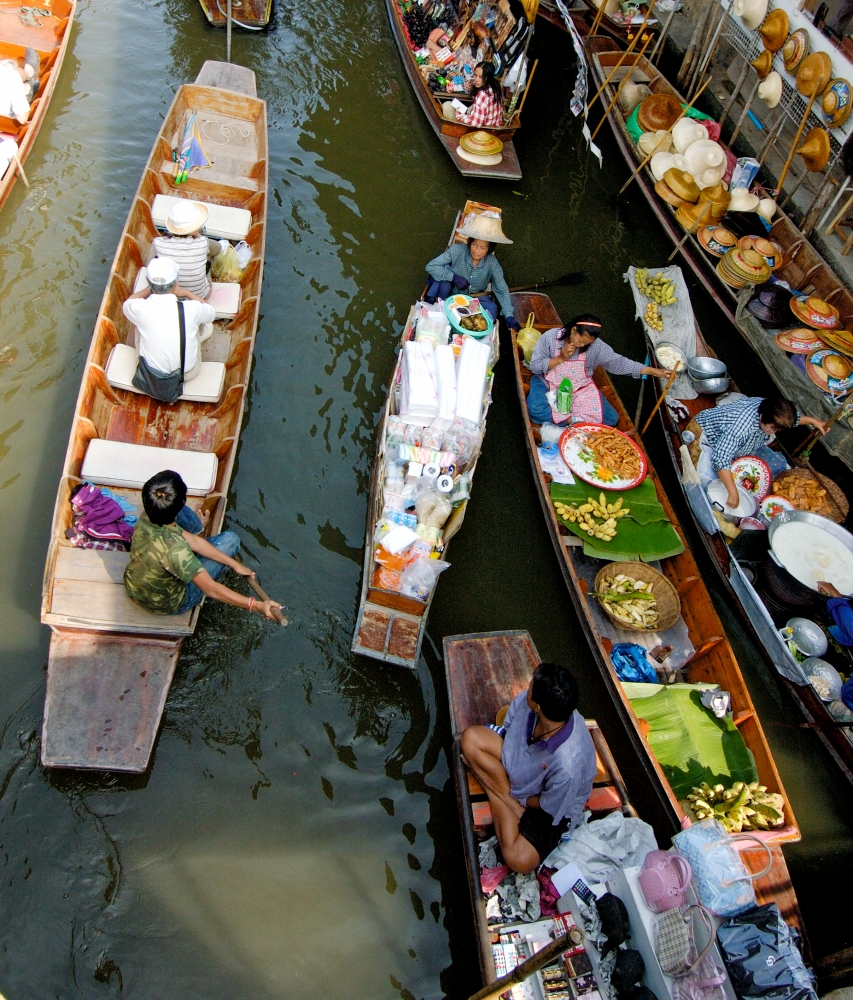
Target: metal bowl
[841, 535]
[808, 637]
[710, 386]
[704, 368]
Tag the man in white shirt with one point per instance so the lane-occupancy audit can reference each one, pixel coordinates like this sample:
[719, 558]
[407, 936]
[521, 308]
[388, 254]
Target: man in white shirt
[13, 90]
[154, 313]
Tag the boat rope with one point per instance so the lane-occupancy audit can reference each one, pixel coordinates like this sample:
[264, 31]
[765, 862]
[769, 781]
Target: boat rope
[248, 27]
[226, 130]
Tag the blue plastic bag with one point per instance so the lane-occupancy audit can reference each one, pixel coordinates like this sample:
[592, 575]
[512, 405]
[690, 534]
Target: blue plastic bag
[630, 663]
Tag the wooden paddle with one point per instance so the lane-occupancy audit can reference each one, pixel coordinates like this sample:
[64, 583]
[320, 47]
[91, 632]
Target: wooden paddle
[696, 97]
[572, 278]
[255, 584]
[670, 380]
[806, 446]
[526, 969]
[643, 381]
[20, 168]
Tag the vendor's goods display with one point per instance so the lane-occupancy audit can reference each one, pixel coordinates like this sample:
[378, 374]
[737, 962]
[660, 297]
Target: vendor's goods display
[774, 505]
[659, 113]
[740, 807]
[829, 370]
[716, 240]
[636, 597]
[774, 31]
[824, 678]
[795, 49]
[809, 490]
[751, 12]
[670, 356]
[770, 89]
[763, 64]
[603, 456]
[815, 149]
[660, 290]
[812, 548]
[585, 516]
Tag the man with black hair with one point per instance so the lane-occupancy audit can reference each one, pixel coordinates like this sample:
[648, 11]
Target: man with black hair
[537, 768]
[741, 428]
[171, 567]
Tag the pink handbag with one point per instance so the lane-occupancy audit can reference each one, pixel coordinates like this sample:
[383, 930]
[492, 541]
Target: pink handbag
[664, 879]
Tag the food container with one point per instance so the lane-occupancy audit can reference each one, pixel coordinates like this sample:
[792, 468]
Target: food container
[824, 552]
[710, 386]
[703, 368]
[820, 670]
[670, 354]
[718, 494]
[665, 594]
[807, 636]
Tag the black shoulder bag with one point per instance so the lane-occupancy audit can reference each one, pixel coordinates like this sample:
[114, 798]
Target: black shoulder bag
[166, 388]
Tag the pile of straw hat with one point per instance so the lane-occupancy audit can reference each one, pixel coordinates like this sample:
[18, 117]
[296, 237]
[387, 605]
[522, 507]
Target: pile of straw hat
[743, 267]
[751, 12]
[718, 198]
[742, 200]
[774, 31]
[816, 313]
[481, 147]
[682, 184]
[659, 113]
[716, 240]
[795, 49]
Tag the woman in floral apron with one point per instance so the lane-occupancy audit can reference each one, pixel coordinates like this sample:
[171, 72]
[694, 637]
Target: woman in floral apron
[574, 351]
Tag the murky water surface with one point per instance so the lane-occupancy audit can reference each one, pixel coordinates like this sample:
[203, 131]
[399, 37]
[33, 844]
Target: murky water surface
[296, 835]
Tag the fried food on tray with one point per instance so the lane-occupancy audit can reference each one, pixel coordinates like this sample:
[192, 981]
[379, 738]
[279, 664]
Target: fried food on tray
[804, 492]
[614, 453]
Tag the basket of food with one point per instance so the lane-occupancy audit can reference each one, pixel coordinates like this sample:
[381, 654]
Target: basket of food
[636, 597]
[809, 490]
[467, 316]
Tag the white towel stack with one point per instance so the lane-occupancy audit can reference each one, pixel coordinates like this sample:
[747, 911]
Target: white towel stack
[418, 384]
[471, 368]
[445, 369]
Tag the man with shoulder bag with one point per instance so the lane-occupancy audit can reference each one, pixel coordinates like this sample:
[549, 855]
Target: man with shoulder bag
[170, 333]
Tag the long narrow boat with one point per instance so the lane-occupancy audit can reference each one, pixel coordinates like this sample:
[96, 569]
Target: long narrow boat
[803, 267]
[389, 625]
[712, 659]
[549, 11]
[244, 13]
[741, 589]
[47, 29]
[111, 662]
[450, 132]
[485, 671]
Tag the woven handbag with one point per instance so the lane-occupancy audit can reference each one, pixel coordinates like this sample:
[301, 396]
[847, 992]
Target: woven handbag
[674, 944]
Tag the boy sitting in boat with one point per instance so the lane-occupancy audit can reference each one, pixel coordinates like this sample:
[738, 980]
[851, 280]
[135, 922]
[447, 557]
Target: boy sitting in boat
[185, 245]
[537, 768]
[728, 432]
[171, 566]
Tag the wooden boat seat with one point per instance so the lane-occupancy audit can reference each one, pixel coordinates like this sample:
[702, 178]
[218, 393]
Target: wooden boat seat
[223, 222]
[206, 387]
[116, 463]
[602, 801]
[224, 295]
[88, 586]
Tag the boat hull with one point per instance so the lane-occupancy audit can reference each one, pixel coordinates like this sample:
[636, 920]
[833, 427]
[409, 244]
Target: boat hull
[253, 13]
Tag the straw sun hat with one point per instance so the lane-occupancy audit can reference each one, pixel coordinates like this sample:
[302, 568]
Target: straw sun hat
[484, 227]
[186, 217]
[763, 63]
[815, 149]
[774, 31]
[659, 113]
[814, 74]
[795, 50]
[481, 147]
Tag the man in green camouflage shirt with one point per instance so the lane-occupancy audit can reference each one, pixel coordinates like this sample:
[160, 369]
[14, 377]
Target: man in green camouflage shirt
[171, 567]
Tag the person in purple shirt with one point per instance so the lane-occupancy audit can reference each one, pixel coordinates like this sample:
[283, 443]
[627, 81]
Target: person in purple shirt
[537, 768]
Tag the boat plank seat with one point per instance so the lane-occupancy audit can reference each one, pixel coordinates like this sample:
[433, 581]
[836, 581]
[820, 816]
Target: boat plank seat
[206, 387]
[224, 295]
[117, 463]
[223, 221]
[601, 801]
[229, 184]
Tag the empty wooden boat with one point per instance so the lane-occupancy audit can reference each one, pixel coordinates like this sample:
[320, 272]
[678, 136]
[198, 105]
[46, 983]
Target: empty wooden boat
[47, 29]
[244, 13]
[706, 656]
[390, 626]
[111, 661]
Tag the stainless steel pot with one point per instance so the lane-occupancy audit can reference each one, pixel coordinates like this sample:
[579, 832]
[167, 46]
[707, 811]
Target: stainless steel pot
[842, 536]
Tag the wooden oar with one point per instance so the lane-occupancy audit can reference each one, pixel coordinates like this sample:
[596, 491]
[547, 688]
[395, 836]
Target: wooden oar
[17, 160]
[816, 434]
[624, 80]
[624, 56]
[527, 88]
[255, 584]
[689, 232]
[796, 141]
[572, 278]
[670, 380]
[696, 97]
[643, 381]
[597, 19]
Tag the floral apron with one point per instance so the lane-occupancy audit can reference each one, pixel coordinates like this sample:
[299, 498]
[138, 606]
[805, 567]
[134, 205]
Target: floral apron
[586, 399]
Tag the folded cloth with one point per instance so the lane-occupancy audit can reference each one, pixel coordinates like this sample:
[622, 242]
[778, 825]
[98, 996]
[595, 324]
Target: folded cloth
[99, 516]
[604, 845]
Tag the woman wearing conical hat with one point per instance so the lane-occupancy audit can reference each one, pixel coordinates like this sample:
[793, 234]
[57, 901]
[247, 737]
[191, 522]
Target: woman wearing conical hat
[472, 267]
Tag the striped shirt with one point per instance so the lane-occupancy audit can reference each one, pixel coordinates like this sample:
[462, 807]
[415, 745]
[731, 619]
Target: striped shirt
[734, 430]
[598, 353]
[190, 254]
[485, 112]
[456, 259]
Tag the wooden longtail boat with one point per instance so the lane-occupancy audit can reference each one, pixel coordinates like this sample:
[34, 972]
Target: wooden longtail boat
[450, 132]
[390, 626]
[48, 34]
[713, 659]
[111, 661]
[484, 672]
[744, 595]
[244, 13]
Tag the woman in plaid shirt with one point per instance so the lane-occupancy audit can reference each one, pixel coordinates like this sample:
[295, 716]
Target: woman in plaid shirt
[487, 109]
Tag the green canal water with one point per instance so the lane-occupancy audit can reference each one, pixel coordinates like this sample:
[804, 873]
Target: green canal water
[296, 835]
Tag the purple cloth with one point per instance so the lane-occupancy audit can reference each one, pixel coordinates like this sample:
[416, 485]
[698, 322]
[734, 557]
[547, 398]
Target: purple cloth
[100, 516]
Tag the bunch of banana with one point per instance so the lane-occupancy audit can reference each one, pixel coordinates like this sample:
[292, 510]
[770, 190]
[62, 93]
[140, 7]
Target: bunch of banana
[584, 516]
[741, 807]
[653, 318]
[629, 600]
[659, 288]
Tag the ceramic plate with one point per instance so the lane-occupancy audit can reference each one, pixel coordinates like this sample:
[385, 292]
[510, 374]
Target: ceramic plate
[819, 375]
[773, 505]
[753, 474]
[799, 341]
[581, 459]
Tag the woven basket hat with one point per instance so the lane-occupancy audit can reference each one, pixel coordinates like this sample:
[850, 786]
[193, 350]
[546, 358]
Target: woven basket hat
[795, 49]
[682, 184]
[835, 103]
[659, 113]
[485, 227]
[774, 31]
[481, 147]
[763, 64]
[814, 74]
[815, 149]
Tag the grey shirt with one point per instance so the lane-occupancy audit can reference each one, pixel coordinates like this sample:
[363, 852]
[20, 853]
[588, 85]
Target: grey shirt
[560, 769]
[598, 353]
[456, 259]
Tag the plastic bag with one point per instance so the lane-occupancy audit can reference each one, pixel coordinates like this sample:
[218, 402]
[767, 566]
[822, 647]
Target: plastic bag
[244, 253]
[225, 266]
[418, 579]
[762, 957]
[527, 338]
[630, 663]
[432, 507]
[461, 441]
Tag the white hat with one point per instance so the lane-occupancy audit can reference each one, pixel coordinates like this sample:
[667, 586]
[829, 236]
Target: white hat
[770, 89]
[186, 217]
[162, 274]
[484, 227]
[751, 12]
[743, 201]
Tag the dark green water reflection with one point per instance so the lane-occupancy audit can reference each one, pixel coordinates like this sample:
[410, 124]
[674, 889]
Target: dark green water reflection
[296, 835]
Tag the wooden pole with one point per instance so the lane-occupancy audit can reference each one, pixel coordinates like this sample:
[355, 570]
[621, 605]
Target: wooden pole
[662, 37]
[689, 233]
[625, 79]
[20, 169]
[805, 446]
[712, 47]
[526, 969]
[255, 584]
[228, 31]
[643, 381]
[745, 112]
[696, 97]
[597, 19]
[698, 32]
[527, 88]
[794, 144]
[731, 101]
[624, 55]
[669, 382]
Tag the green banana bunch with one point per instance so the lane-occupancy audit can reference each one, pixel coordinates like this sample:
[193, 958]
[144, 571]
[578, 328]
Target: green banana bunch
[738, 808]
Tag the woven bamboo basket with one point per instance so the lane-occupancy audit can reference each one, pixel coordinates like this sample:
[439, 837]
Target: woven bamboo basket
[668, 602]
[835, 504]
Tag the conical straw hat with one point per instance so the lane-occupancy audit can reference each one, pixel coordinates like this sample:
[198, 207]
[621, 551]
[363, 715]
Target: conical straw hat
[814, 74]
[659, 113]
[795, 50]
[484, 227]
[682, 184]
[481, 143]
[751, 12]
[815, 149]
[770, 89]
[774, 31]
[763, 64]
